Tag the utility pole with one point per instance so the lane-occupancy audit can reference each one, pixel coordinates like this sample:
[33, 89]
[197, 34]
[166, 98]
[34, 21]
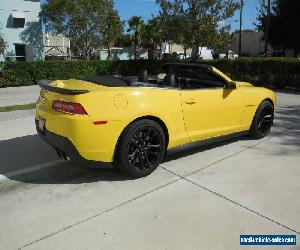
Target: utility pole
[267, 28]
[241, 23]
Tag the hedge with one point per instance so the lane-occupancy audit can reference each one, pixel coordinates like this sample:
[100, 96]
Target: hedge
[277, 72]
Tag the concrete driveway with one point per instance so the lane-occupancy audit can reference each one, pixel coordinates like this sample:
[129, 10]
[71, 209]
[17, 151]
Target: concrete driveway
[19, 95]
[201, 197]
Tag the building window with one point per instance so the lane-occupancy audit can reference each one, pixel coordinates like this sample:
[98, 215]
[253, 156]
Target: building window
[18, 22]
[20, 52]
[17, 19]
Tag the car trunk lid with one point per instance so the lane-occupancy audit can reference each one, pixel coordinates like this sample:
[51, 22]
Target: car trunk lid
[65, 90]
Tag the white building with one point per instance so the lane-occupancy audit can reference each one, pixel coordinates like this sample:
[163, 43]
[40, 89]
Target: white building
[126, 53]
[56, 46]
[253, 43]
[170, 48]
[22, 29]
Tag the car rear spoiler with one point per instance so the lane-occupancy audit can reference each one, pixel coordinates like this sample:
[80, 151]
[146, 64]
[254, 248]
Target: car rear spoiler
[45, 84]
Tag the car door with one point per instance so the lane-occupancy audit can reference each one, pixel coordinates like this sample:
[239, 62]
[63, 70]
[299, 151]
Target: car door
[211, 110]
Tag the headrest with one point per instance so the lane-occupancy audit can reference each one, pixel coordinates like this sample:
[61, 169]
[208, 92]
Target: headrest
[170, 80]
[143, 76]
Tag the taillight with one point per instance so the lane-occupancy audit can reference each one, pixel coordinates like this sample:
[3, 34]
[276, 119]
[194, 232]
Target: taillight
[68, 107]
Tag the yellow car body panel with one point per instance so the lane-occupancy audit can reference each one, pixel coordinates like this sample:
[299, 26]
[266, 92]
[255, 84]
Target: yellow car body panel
[253, 96]
[97, 142]
[188, 115]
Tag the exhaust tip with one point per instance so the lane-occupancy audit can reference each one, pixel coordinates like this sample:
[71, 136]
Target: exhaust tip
[63, 156]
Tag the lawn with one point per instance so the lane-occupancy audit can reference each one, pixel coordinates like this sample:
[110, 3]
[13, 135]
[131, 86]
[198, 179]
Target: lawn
[17, 107]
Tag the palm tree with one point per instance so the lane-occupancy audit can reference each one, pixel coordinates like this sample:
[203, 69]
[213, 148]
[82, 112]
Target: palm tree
[113, 31]
[153, 37]
[136, 27]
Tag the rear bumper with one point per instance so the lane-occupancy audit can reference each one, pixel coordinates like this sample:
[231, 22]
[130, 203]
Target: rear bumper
[92, 142]
[64, 145]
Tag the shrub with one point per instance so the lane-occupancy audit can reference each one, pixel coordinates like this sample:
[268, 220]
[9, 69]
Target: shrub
[275, 72]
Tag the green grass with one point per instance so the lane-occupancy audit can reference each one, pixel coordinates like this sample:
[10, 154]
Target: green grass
[17, 107]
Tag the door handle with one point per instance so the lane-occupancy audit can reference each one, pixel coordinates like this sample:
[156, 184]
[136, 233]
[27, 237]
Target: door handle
[190, 101]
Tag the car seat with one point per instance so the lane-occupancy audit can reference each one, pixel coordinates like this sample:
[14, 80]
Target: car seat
[143, 76]
[170, 80]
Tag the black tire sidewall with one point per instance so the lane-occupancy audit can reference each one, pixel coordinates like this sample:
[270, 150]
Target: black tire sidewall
[254, 132]
[121, 159]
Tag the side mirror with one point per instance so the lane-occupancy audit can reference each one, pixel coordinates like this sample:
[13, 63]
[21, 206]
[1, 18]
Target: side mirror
[230, 85]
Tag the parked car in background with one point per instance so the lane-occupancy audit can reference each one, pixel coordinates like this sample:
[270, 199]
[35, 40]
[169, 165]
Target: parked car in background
[229, 55]
[182, 57]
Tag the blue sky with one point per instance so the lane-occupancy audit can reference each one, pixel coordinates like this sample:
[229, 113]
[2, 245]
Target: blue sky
[146, 8]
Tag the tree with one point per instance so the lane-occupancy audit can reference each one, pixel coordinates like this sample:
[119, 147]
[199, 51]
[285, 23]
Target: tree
[3, 43]
[3, 46]
[83, 21]
[33, 37]
[283, 25]
[123, 41]
[177, 29]
[193, 23]
[136, 26]
[221, 39]
[153, 37]
[114, 29]
[262, 15]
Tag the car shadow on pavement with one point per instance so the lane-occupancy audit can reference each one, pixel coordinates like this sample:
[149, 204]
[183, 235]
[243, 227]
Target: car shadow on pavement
[287, 119]
[288, 92]
[30, 152]
[21, 153]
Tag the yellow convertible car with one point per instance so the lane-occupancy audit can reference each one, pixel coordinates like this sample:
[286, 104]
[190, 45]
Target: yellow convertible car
[132, 121]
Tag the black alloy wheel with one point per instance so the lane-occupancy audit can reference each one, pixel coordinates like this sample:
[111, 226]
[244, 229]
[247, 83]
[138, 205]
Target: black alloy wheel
[263, 120]
[141, 149]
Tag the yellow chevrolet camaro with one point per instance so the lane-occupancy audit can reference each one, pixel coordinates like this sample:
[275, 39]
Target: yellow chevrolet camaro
[132, 121]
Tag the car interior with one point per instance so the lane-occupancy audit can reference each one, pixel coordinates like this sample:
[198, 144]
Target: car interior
[177, 76]
[183, 76]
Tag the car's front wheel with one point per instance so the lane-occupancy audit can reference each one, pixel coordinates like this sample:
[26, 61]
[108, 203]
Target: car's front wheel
[141, 148]
[263, 120]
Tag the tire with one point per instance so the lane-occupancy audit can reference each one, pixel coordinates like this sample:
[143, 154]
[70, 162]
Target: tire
[263, 120]
[141, 148]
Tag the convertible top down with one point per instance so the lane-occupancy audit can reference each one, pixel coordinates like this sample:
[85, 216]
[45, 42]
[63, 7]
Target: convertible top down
[131, 121]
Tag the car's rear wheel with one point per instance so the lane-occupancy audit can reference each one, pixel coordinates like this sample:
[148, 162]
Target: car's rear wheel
[263, 120]
[141, 148]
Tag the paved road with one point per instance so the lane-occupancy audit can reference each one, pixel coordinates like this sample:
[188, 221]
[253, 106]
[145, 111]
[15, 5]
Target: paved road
[199, 198]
